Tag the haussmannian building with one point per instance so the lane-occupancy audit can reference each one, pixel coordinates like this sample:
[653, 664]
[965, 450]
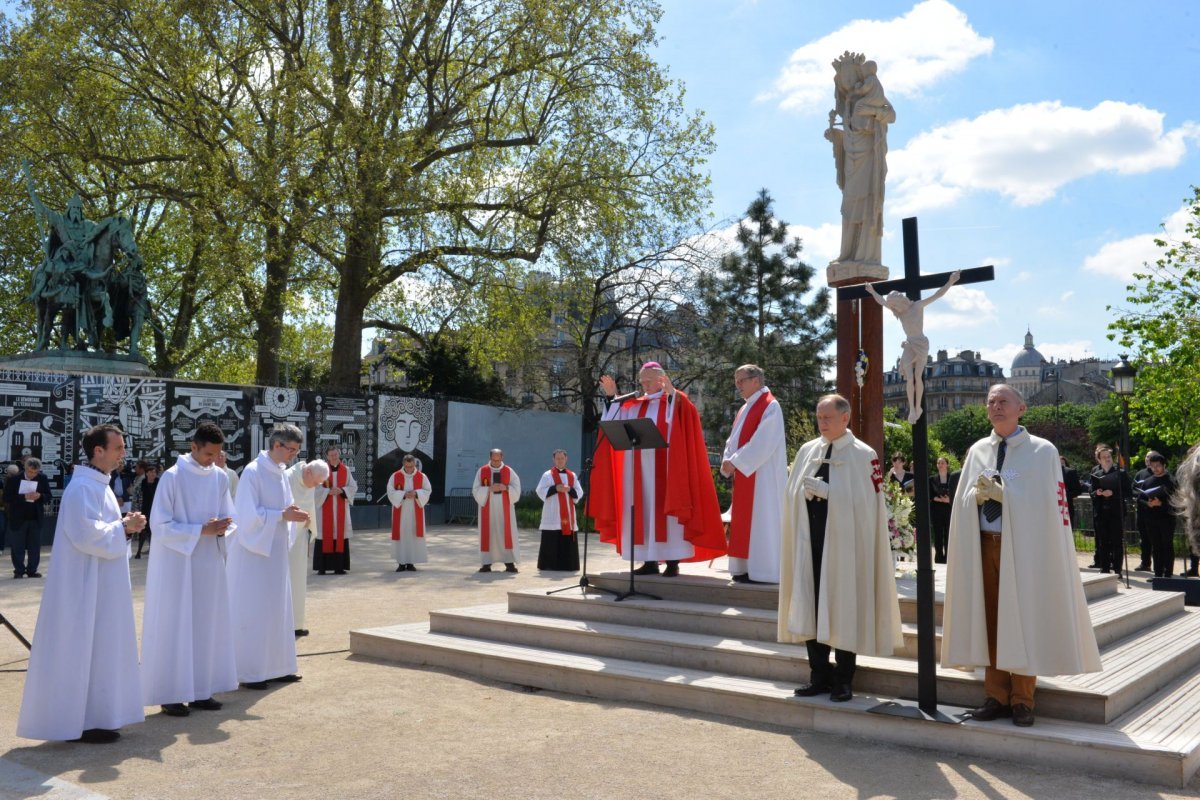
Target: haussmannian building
[951, 383]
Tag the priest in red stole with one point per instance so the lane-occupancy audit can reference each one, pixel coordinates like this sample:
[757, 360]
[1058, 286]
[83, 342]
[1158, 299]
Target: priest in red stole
[334, 497]
[496, 490]
[667, 496]
[409, 490]
[756, 458]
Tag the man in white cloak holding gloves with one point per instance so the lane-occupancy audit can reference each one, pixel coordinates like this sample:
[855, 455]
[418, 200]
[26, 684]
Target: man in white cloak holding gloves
[260, 592]
[1014, 600]
[187, 655]
[304, 479]
[496, 489]
[756, 458]
[837, 582]
[409, 490]
[84, 681]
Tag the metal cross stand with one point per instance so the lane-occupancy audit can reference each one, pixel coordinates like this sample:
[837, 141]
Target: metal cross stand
[911, 284]
[636, 435]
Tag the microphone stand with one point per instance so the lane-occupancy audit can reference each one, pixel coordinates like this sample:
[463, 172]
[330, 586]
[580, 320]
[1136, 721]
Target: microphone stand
[4, 621]
[584, 584]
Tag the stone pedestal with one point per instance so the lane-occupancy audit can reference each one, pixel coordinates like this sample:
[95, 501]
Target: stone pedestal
[75, 361]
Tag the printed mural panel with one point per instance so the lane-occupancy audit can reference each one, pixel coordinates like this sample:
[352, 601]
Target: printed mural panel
[137, 405]
[226, 406]
[347, 423]
[276, 404]
[405, 425]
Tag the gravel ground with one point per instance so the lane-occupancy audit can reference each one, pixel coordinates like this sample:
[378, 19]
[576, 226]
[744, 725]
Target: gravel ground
[366, 729]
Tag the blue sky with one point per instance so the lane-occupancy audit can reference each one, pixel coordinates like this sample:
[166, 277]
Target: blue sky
[1051, 139]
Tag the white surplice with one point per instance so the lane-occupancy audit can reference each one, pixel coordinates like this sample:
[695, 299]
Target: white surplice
[187, 653]
[551, 516]
[305, 498]
[409, 548]
[83, 671]
[260, 592]
[491, 504]
[764, 457]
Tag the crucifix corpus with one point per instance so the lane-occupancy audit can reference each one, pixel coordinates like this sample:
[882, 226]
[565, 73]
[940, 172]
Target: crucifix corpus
[892, 295]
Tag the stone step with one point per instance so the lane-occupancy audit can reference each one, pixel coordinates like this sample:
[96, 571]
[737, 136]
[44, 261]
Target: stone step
[704, 588]
[1140, 753]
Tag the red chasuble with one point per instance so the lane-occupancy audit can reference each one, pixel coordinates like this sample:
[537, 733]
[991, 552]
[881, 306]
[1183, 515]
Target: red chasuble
[743, 485]
[485, 513]
[419, 510]
[688, 491]
[566, 502]
[333, 512]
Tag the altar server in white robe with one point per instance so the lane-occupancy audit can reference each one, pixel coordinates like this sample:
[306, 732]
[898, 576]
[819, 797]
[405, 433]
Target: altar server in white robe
[84, 681]
[560, 490]
[304, 478]
[334, 497]
[223, 463]
[838, 583]
[260, 592]
[409, 490]
[187, 655]
[756, 458]
[1014, 598]
[497, 488]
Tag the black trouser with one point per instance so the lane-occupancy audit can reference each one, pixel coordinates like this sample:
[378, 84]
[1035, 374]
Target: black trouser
[25, 540]
[1108, 541]
[821, 673]
[939, 529]
[1144, 524]
[1161, 533]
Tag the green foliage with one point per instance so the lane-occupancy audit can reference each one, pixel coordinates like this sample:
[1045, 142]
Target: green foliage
[897, 438]
[1067, 427]
[445, 369]
[1161, 328]
[960, 429]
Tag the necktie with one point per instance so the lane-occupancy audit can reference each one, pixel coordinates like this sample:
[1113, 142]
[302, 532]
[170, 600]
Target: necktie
[992, 508]
[823, 470]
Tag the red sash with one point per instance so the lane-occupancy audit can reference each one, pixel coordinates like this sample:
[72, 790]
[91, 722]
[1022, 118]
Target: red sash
[660, 478]
[743, 485]
[566, 502]
[485, 513]
[418, 509]
[333, 512]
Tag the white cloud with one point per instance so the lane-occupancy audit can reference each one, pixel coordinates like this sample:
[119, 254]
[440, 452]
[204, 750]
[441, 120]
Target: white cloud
[1066, 296]
[1029, 151]
[962, 307]
[1122, 258]
[1024, 276]
[1004, 355]
[913, 51]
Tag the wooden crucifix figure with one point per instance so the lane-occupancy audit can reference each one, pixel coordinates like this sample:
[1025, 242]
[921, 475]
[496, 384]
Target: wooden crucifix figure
[911, 285]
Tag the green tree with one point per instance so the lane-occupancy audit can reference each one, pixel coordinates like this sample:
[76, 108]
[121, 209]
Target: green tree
[754, 310]
[446, 369]
[897, 438]
[960, 429]
[1161, 328]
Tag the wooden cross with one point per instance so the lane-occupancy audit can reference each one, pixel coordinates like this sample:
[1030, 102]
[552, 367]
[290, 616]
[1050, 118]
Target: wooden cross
[912, 284]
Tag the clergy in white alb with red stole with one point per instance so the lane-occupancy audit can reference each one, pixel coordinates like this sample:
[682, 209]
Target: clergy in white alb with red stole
[560, 490]
[756, 458]
[409, 490]
[496, 489]
[1014, 600]
[667, 495]
[187, 653]
[84, 681]
[304, 478]
[334, 498]
[837, 588]
[260, 592]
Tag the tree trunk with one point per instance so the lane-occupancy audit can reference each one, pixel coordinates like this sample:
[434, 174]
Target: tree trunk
[362, 257]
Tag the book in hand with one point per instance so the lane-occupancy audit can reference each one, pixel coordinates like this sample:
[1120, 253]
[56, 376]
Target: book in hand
[1109, 480]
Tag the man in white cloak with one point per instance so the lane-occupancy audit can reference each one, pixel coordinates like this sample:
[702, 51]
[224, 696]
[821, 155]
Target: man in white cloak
[756, 458]
[837, 582]
[84, 681]
[496, 489]
[260, 592]
[334, 497]
[1014, 600]
[409, 490]
[304, 479]
[187, 655]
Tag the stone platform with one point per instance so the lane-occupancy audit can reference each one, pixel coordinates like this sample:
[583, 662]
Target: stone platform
[708, 646]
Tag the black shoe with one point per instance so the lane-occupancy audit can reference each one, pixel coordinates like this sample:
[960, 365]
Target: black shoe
[742, 578]
[486, 568]
[22, 575]
[98, 736]
[139, 555]
[301, 632]
[339, 572]
[1191, 573]
[412, 568]
[1022, 715]
[649, 568]
[812, 689]
[320, 572]
[175, 710]
[990, 710]
[672, 569]
[1142, 567]
[840, 693]
[34, 574]
[284, 679]
[257, 686]
[206, 705]
[401, 568]
[1106, 572]
[510, 567]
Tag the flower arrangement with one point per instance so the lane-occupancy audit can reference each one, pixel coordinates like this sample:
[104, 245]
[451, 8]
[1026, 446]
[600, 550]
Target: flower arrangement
[901, 529]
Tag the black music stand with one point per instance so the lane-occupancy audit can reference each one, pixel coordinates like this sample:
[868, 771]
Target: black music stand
[584, 584]
[13, 630]
[636, 435]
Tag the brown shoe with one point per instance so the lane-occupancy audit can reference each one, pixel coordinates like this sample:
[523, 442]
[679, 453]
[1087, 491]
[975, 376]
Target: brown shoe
[990, 710]
[1022, 715]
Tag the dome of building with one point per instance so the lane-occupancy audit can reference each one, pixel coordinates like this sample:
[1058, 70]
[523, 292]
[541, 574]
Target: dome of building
[1029, 357]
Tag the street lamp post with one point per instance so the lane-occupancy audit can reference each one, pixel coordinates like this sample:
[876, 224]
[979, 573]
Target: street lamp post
[1124, 376]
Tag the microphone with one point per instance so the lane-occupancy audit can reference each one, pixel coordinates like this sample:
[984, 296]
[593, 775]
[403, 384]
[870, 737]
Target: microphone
[623, 397]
